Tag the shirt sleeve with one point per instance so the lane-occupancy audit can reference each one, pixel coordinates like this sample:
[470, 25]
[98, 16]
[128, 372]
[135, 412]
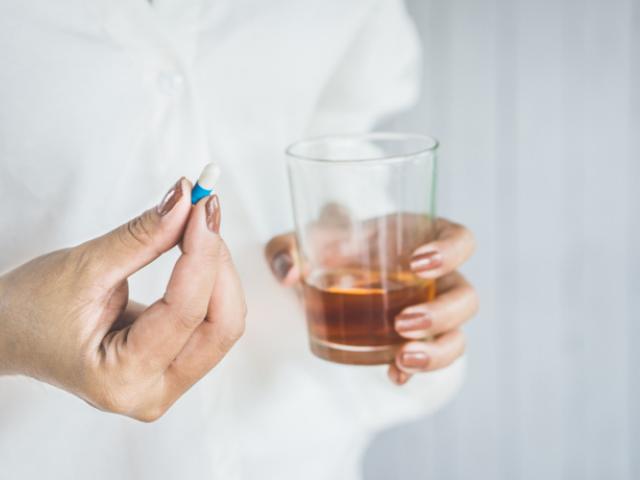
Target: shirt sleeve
[379, 404]
[378, 75]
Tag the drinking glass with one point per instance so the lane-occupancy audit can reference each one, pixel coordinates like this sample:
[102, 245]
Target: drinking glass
[362, 204]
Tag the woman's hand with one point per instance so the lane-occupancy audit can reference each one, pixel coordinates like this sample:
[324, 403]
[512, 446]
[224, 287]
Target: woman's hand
[439, 320]
[65, 317]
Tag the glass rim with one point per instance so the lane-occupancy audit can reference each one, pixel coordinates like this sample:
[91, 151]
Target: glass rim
[432, 146]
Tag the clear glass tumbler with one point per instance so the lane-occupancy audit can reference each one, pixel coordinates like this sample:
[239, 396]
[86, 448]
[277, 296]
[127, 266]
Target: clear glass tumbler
[362, 204]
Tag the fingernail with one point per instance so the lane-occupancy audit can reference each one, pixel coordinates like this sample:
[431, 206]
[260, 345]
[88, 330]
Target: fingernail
[414, 359]
[170, 199]
[403, 377]
[413, 321]
[422, 262]
[213, 213]
[281, 264]
[398, 376]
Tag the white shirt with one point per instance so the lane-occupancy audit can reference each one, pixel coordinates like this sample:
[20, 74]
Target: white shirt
[103, 105]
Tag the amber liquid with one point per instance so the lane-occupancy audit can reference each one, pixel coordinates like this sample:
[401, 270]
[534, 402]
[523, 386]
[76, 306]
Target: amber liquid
[350, 313]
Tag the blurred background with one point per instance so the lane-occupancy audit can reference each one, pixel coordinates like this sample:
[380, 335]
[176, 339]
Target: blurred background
[537, 106]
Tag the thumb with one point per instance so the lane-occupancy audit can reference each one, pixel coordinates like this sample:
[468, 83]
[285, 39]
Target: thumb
[141, 240]
[281, 253]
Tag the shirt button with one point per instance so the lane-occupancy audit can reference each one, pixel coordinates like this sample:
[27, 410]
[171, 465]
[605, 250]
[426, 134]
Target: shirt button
[170, 83]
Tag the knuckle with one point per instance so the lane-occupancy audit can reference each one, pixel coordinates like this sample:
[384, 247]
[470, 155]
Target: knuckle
[458, 227]
[214, 254]
[113, 388]
[150, 414]
[126, 401]
[239, 328]
[457, 349]
[138, 231]
[115, 401]
[470, 300]
[456, 232]
[231, 335]
[189, 318]
[186, 316]
[464, 236]
[84, 261]
[441, 225]
[223, 254]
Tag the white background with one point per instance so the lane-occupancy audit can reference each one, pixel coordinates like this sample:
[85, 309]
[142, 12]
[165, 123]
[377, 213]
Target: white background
[537, 105]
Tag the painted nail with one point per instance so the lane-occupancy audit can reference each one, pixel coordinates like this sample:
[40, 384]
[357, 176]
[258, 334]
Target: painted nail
[403, 377]
[426, 261]
[170, 199]
[414, 359]
[281, 264]
[213, 213]
[398, 376]
[413, 321]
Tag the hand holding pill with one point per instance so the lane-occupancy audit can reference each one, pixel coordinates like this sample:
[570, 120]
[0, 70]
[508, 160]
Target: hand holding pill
[65, 317]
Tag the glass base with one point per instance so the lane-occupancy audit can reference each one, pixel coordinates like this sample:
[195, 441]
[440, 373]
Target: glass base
[353, 354]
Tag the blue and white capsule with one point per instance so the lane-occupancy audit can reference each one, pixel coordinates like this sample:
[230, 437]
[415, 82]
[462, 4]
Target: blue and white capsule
[204, 185]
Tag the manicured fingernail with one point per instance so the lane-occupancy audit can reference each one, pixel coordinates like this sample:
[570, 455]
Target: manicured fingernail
[398, 376]
[403, 377]
[422, 262]
[413, 322]
[281, 264]
[414, 359]
[170, 199]
[213, 213]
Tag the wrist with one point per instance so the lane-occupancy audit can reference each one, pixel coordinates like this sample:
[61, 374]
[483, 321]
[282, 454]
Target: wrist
[8, 344]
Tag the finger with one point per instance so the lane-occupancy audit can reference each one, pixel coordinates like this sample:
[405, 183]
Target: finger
[416, 356]
[159, 334]
[281, 254]
[455, 304]
[397, 376]
[453, 245]
[129, 315]
[138, 242]
[220, 330]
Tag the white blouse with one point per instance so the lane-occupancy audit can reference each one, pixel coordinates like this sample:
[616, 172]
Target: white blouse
[103, 105]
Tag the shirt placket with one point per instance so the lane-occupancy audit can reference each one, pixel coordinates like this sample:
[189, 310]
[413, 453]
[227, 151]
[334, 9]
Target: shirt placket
[161, 40]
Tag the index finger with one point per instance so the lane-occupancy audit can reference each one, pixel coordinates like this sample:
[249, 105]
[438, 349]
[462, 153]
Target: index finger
[453, 245]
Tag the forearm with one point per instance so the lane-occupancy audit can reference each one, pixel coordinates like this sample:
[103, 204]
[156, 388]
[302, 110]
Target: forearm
[16, 336]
